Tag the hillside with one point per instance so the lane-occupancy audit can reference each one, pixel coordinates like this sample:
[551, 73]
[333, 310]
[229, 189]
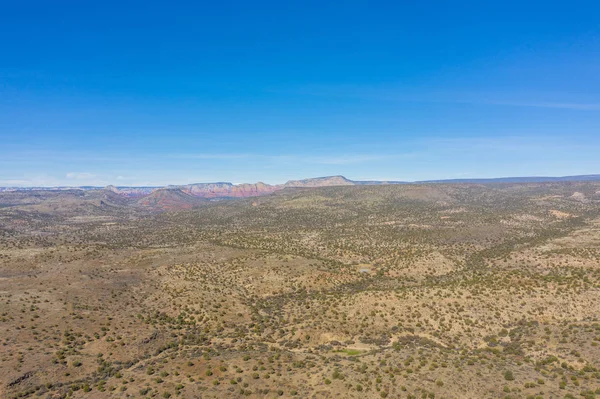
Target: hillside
[169, 199]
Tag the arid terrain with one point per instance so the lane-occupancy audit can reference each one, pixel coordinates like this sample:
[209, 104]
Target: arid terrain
[362, 291]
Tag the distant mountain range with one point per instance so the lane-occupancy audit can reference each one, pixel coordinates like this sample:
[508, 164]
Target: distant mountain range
[527, 179]
[188, 192]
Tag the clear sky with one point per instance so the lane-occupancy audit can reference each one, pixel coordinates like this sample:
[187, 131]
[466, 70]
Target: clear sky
[152, 93]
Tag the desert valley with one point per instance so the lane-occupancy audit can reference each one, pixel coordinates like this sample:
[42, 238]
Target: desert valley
[458, 290]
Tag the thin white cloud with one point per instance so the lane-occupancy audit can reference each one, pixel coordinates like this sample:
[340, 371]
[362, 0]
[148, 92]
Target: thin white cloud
[208, 156]
[325, 159]
[401, 94]
[574, 106]
[80, 175]
[14, 182]
[346, 159]
[31, 181]
[505, 143]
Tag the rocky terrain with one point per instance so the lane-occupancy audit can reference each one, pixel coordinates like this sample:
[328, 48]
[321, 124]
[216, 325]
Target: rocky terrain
[350, 291]
[230, 190]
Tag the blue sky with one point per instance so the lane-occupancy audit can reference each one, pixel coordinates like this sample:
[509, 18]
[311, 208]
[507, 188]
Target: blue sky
[152, 93]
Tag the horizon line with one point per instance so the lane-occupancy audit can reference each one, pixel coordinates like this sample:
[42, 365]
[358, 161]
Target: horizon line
[504, 179]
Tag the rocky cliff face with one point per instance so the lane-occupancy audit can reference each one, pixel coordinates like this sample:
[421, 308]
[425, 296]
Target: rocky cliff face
[223, 190]
[229, 190]
[320, 182]
[131, 191]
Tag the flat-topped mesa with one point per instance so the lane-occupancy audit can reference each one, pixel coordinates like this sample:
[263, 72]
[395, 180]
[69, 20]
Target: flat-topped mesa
[131, 191]
[321, 182]
[224, 189]
[206, 189]
[253, 189]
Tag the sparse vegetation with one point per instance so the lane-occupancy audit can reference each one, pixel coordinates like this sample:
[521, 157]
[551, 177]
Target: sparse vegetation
[411, 291]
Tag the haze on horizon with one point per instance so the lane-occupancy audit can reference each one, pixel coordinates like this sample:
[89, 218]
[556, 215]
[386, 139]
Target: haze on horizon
[145, 93]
